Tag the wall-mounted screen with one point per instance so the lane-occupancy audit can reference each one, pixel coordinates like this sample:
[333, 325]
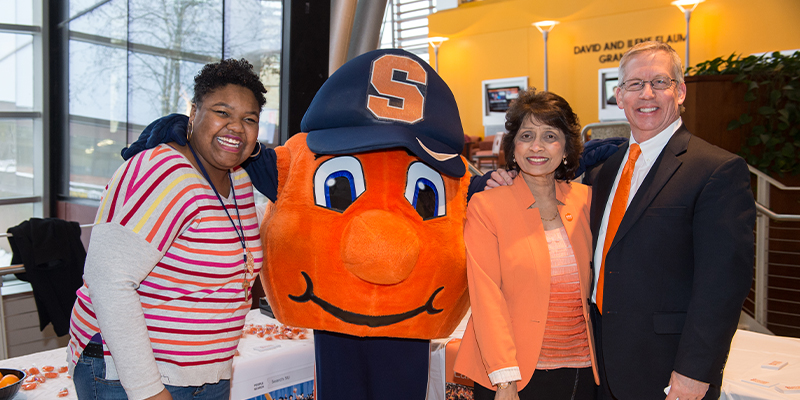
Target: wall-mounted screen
[499, 98]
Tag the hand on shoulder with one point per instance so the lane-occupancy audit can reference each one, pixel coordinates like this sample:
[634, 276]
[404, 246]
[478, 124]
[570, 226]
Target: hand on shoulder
[499, 178]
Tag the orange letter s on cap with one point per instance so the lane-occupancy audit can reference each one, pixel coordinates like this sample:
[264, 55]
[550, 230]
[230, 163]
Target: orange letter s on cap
[381, 78]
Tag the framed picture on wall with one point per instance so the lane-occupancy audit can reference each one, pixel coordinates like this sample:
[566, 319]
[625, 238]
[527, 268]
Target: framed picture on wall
[607, 82]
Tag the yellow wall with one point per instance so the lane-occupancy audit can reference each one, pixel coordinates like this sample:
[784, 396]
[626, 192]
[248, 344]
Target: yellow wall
[494, 39]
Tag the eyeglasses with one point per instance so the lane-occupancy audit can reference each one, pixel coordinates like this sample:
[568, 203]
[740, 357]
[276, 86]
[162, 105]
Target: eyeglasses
[660, 83]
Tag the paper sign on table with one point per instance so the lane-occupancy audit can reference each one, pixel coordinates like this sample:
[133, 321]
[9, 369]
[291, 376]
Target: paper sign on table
[760, 382]
[791, 388]
[774, 364]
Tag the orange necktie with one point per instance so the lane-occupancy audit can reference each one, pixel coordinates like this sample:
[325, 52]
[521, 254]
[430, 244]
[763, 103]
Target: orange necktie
[618, 207]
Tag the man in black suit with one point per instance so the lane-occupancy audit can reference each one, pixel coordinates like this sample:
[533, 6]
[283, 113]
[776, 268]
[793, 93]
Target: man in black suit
[681, 262]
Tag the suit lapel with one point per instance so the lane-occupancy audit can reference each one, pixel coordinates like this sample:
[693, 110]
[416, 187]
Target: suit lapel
[601, 189]
[663, 168]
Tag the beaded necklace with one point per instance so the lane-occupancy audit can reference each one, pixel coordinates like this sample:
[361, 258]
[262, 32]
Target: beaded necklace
[246, 254]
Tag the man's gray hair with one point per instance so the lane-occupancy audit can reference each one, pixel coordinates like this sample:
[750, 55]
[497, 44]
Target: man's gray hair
[652, 46]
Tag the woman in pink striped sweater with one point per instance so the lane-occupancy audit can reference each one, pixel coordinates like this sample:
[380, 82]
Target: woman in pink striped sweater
[173, 255]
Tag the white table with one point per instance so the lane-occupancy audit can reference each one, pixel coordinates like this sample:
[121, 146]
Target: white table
[749, 350]
[276, 366]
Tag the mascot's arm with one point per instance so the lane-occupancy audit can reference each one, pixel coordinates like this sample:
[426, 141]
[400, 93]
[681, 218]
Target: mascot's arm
[171, 128]
[263, 169]
[490, 315]
[594, 153]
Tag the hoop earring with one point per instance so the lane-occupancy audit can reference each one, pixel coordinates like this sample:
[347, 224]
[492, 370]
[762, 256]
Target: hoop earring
[191, 130]
[258, 146]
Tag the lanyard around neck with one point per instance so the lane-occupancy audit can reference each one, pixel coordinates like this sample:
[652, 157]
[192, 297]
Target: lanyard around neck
[224, 208]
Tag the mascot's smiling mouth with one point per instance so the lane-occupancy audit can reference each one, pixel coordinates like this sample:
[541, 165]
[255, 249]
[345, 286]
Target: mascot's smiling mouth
[361, 319]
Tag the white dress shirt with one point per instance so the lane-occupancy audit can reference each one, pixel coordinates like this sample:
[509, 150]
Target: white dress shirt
[651, 149]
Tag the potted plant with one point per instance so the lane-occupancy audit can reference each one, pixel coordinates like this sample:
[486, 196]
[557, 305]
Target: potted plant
[763, 94]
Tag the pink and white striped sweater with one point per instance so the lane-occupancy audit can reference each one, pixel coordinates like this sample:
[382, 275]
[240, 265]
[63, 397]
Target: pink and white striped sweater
[164, 274]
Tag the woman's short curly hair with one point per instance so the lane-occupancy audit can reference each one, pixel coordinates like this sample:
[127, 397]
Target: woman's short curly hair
[231, 71]
[550, 109]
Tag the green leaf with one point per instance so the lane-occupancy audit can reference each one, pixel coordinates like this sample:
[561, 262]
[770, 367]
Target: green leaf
[733, 125]
[749, 96]
[766, 110]
[764, 138]
[788, 150]
[774, 96]
[745, 119]
[752, 85]
[753, 141]
[759, 130]
[739, 78]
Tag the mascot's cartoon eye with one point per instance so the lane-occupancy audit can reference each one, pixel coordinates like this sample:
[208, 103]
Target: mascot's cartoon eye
[425, 191]
[338, 182]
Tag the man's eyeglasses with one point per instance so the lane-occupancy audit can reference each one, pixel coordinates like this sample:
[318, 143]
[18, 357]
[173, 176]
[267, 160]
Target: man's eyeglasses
[661, 83]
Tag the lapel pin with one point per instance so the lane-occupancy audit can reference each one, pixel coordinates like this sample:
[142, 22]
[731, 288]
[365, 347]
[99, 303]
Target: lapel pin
[568, 217]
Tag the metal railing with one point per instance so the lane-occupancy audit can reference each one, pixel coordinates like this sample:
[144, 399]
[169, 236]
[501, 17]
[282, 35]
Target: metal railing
[763, 218]
[595, 125]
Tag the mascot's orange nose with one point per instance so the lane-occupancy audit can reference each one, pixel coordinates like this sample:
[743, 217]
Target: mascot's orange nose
[379, 247]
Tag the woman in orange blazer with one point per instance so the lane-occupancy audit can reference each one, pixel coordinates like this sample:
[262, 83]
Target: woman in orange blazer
[528, 251]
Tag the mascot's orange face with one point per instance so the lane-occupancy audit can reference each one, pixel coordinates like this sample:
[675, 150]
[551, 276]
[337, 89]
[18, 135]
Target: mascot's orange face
[369, 244]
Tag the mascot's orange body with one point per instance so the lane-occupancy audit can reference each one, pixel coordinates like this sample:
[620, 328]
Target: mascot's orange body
[375, 269]
[364, 242]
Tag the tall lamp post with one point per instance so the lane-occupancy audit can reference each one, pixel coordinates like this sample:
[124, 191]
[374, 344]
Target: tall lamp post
[545, 27]
[436, 42]
[687, 6]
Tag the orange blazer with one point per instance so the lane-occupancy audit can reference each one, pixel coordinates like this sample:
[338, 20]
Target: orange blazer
[508, 271]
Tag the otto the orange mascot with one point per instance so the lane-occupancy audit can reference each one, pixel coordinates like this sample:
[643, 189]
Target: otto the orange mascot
[364, 243]
[364, 239]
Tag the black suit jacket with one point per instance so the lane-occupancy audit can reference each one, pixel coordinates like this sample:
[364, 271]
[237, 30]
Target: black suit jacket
[678, 269]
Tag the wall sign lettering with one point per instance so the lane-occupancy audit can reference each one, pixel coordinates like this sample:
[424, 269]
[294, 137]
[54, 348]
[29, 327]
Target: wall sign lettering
[612, 51]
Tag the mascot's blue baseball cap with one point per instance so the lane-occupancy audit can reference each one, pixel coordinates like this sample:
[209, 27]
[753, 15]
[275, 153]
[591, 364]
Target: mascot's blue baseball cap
[385, 99]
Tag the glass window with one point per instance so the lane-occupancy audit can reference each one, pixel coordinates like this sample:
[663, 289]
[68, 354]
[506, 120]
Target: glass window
[16, 68]
[21, 165]
[253, 31]
[16, 158]
[133, 61]
[18, 12]
[177, 26]
[10, 216]
[107, 21]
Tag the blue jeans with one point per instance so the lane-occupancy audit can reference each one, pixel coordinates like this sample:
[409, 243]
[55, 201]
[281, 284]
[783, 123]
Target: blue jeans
[90, 383]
